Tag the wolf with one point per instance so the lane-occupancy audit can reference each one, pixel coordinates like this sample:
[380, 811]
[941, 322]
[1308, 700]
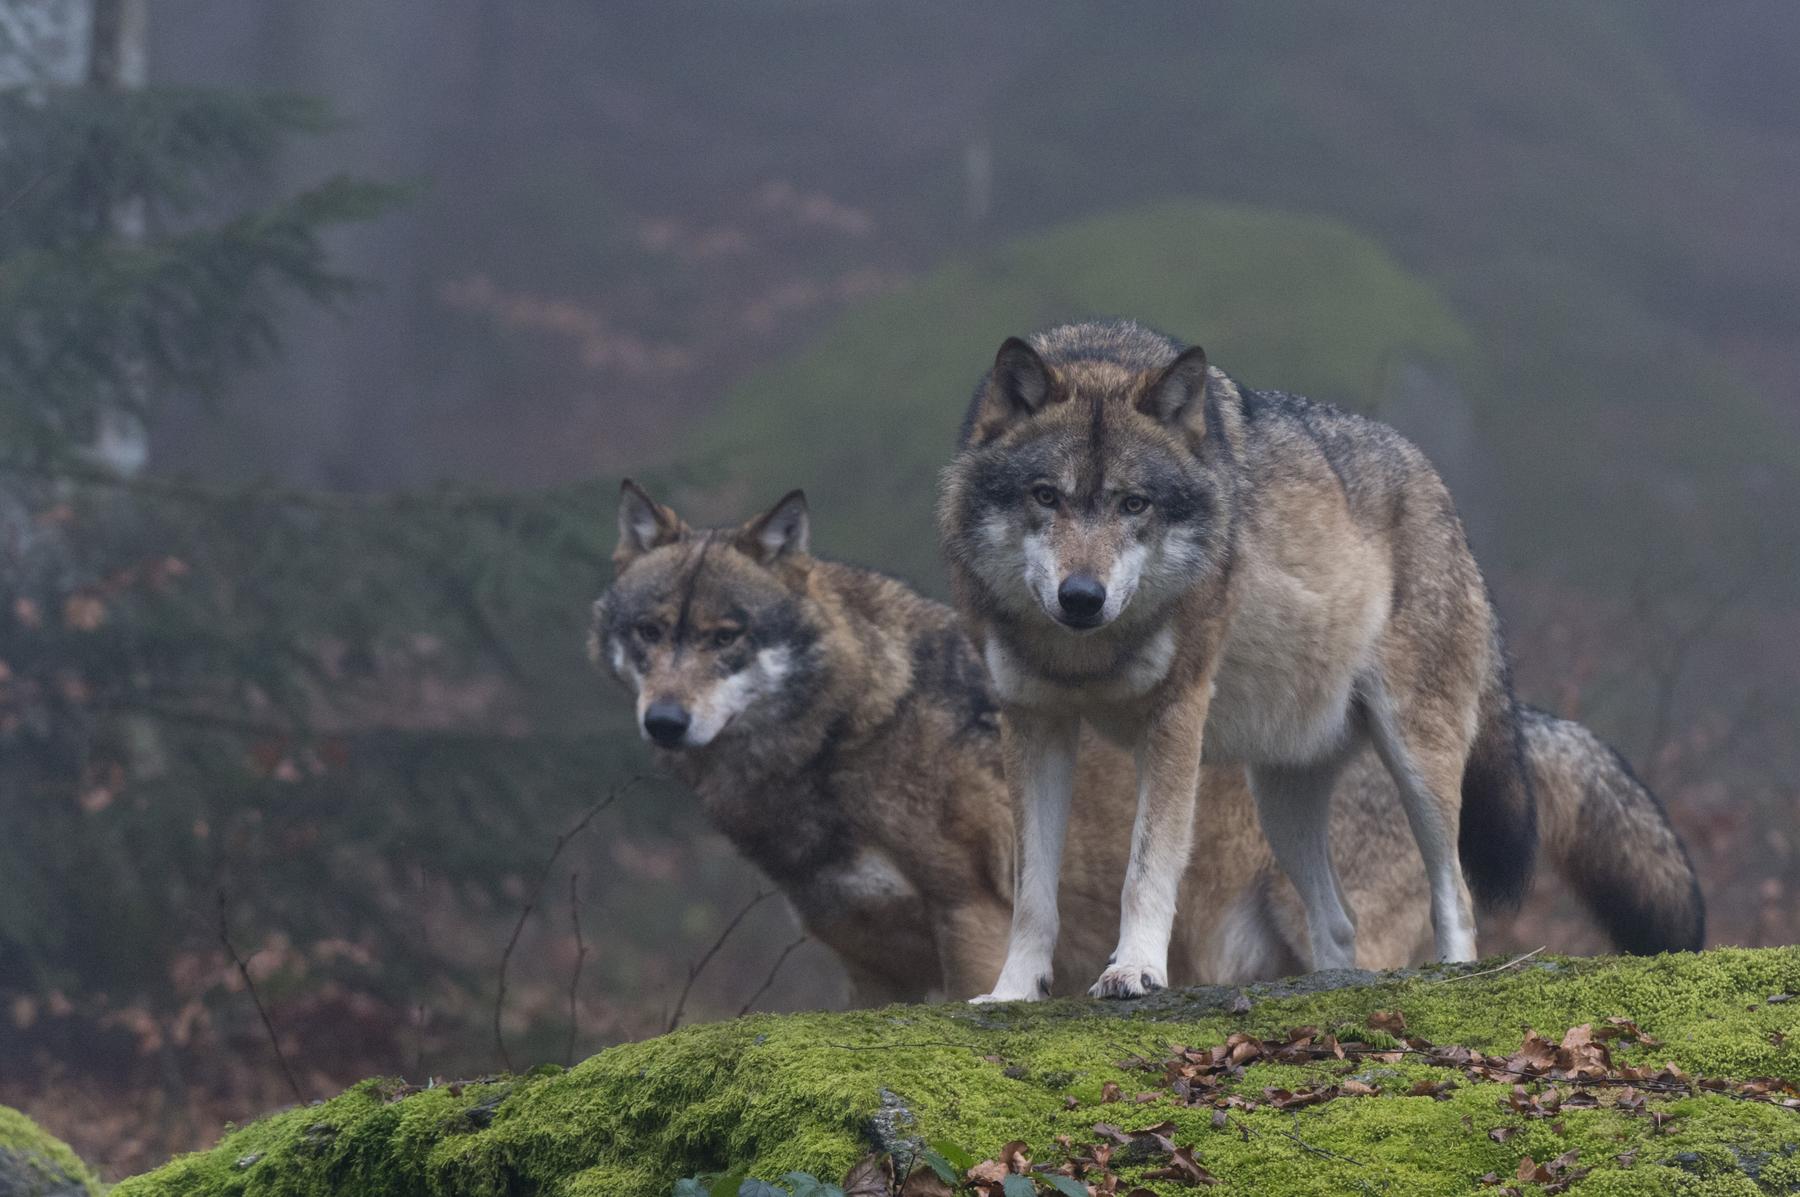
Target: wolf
[840, 730]
[1197, 569]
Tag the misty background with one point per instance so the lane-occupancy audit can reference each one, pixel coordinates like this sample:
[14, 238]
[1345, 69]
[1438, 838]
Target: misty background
[733, 249]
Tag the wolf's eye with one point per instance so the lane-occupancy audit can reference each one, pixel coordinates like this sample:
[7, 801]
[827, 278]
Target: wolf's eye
[649, 632]
[726, 637]
[1135, 504]
[1045, 495]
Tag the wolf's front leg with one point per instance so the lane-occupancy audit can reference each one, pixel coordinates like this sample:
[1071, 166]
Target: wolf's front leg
[1168, 765]
[1040, 775]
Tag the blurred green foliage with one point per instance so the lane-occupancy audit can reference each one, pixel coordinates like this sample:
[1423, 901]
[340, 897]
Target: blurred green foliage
[132, 260]
[865, 417]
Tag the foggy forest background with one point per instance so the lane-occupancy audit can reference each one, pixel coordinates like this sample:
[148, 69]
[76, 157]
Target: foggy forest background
[332, 328]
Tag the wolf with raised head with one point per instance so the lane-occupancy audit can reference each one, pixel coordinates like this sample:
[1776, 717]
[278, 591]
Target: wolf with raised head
[1190, 566]
[840, 731]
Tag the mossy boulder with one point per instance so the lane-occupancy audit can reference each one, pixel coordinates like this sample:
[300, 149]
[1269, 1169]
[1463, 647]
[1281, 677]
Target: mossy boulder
[771, 1094]
[35, 1164]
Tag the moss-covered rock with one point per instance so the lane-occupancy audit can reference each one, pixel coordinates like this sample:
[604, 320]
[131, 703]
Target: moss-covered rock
[770, 1094]
[34, 1164]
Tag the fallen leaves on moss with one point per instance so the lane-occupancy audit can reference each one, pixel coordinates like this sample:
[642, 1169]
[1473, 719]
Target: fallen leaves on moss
[1581, 1059]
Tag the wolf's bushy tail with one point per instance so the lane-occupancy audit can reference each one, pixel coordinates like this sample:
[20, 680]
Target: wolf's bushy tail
[1609, 838]
[1499, 836]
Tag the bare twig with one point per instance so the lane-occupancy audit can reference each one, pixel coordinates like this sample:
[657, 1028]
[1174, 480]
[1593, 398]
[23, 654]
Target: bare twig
[699, 966]
[179, 490]
[575, 973]
[531, 901]
[774, 970]
[1487, 972]
[250, 984]
[1319, 1151]
[424, 946]
[1667, 671]
[18, 197]
[901, 1047]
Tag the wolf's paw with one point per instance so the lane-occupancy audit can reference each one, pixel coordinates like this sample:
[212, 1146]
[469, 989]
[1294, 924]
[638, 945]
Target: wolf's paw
[1129, 981]
[1009, 993]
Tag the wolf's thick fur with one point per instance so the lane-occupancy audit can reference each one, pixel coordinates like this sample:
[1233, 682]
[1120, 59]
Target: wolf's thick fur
[865, 781]
[1142, 546]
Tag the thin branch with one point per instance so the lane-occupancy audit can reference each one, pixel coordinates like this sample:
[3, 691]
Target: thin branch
[1319, 1151]
[1668, 671]
[424, 947]
[268, 1026]
[774, 970]
[18, 197]
[270, 496]
[531, 901]
[1488, 972]
[896, 1047]
[575, 973]
[699, 966]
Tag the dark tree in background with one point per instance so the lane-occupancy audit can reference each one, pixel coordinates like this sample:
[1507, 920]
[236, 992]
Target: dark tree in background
[334, 732]
[304, 711]
[132, 262]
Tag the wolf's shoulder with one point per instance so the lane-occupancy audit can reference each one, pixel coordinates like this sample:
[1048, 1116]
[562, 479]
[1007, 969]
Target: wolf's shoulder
[946, 670]
[1347, 438]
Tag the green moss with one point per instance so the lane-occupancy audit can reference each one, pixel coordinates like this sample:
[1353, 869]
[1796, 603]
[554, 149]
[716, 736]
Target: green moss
[35, 1164]
[778, 1093]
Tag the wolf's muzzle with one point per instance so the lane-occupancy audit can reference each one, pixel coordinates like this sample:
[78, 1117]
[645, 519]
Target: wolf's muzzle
[666, 722]
[1082, 598]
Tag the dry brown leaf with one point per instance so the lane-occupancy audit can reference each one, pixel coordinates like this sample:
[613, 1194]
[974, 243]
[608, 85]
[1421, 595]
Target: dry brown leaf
[83, 612]
[1392, 1022]
[872, 1176]
[1184, 1167]
[1532, 1171]
[990, 1172]
[1110, 1092]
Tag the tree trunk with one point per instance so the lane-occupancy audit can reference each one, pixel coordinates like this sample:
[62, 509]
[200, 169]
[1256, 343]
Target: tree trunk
[118, 59]
[117, 44]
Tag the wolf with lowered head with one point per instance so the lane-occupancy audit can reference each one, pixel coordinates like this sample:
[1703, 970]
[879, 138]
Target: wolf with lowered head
[1195, 568]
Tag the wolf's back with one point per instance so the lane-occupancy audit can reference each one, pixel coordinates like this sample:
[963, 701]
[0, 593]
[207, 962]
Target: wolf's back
[1610, 839]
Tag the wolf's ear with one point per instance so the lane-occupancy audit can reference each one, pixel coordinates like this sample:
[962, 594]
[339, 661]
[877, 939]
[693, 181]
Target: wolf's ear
[1018, 386]
[779, 532]
[644, 524]
[1178, 395]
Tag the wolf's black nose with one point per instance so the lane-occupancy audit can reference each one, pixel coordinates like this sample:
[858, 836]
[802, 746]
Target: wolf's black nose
[1081, 596]
[666, 722]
